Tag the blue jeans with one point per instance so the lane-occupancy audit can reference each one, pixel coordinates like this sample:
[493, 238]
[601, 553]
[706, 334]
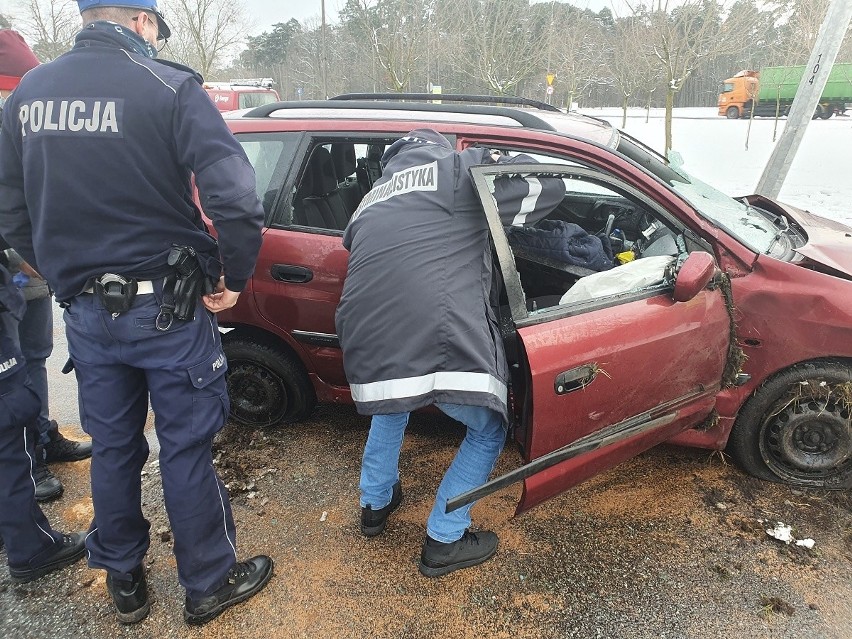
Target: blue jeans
[471, 467]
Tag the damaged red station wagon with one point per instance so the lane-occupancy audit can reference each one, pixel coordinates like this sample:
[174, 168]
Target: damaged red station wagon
[724, 324]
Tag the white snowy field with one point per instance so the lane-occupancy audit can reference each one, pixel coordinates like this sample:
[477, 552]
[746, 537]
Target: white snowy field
[713, 149]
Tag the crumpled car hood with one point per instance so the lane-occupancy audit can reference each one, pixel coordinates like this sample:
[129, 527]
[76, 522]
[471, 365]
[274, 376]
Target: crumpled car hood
[829, 241]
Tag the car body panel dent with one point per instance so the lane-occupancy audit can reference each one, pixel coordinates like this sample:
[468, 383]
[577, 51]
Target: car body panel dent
[829, 241]
[812, 320]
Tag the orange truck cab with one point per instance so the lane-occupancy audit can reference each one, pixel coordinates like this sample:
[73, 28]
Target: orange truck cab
[241, 94]
[737, 92]
[770, 92]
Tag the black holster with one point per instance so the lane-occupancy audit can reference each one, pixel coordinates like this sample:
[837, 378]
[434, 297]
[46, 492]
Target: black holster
[115, 292]
[183, 286]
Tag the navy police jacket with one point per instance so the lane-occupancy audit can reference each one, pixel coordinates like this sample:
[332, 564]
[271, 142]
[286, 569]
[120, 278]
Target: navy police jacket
[97, 150]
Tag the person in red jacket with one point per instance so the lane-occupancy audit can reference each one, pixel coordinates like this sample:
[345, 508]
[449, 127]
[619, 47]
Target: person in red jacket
[16, 58]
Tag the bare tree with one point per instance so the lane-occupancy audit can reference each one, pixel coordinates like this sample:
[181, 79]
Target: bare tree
[577, 57]
[631, 66]
[395, 32]
[51, 25]
[800, 30]
[494, 43]
[205, 33]
[687, 35]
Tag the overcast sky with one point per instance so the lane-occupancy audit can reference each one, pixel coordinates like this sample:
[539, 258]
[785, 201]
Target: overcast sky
[265, 13]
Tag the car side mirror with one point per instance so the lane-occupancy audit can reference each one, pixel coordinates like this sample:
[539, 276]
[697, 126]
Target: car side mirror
[696, 272]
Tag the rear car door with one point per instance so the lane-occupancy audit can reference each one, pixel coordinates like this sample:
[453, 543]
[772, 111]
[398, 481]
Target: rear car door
[301, 266]
[617, 368]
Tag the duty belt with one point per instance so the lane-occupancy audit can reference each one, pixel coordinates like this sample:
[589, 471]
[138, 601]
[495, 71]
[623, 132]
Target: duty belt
[145, 287]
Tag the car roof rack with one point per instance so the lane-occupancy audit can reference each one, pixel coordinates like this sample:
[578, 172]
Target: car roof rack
[524, 118]
[448, 97]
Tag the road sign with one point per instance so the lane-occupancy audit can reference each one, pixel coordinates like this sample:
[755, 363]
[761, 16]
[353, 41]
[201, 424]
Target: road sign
[549, 90]
[550, 78]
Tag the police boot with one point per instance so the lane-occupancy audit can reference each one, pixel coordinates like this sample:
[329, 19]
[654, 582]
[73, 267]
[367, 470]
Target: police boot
[70, 549]
[60, 449]
[243, 580]
[47, 485]
[439, 558]
[130, 597]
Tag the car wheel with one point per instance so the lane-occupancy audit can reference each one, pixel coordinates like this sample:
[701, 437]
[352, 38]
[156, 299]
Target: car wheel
[827, 112]
[796, 428]
[732, 113]
[266, 385]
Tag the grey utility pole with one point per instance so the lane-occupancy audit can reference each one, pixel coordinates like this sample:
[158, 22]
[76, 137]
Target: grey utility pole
[324, 56]
[807, 96]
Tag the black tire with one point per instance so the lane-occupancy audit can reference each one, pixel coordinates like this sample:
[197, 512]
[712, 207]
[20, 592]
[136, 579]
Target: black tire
[827, 112]
[266, 385]
[795, 429]
[732, 113]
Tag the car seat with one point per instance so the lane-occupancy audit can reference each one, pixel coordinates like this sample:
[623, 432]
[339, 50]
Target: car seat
[318, 202]
[343, 155]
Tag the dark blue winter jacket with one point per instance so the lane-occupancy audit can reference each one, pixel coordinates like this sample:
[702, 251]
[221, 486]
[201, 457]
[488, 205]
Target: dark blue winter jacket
[564, 242]
[96, 153]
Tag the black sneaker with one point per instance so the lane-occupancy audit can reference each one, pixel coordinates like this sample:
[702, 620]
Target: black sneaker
[373, 522]
[60, 449]
[130, 597]
[439, 558]
[73, 547]
[48, 487]
[244, 580]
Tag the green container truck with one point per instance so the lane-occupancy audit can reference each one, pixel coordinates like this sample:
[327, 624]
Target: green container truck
[771, 91]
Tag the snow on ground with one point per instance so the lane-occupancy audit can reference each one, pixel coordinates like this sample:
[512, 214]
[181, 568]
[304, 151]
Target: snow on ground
[713, 149]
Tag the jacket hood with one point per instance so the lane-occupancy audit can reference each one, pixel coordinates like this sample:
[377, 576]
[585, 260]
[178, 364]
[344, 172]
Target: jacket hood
[415, 137]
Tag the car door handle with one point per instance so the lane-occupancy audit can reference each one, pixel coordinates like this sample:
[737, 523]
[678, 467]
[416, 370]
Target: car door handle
[575, 379]
[291, 273]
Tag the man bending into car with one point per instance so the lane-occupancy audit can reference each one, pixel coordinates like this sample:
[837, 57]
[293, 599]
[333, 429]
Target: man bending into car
[417, 326]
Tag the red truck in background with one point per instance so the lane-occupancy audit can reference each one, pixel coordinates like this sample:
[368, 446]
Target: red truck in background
[241, 93]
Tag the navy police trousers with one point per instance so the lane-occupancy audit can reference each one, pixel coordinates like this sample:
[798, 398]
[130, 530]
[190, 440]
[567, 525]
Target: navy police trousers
[28, 537]
[119, 362]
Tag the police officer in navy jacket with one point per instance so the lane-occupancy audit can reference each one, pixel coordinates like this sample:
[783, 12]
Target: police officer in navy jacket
[33, 548]
[96, 153]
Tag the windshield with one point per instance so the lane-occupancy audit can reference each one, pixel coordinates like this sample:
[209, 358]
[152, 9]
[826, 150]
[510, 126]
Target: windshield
[757, 229]
[727, 87]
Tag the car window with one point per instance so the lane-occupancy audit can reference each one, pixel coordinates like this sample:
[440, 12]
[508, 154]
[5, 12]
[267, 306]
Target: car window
[271, 155]
[541, 157]
[598, 243]
[256, 99]
[334, 178]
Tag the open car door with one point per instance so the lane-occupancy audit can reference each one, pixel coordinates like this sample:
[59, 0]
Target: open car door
[607, 372]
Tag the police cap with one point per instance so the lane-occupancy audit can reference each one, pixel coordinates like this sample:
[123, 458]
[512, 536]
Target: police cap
[142, 5]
